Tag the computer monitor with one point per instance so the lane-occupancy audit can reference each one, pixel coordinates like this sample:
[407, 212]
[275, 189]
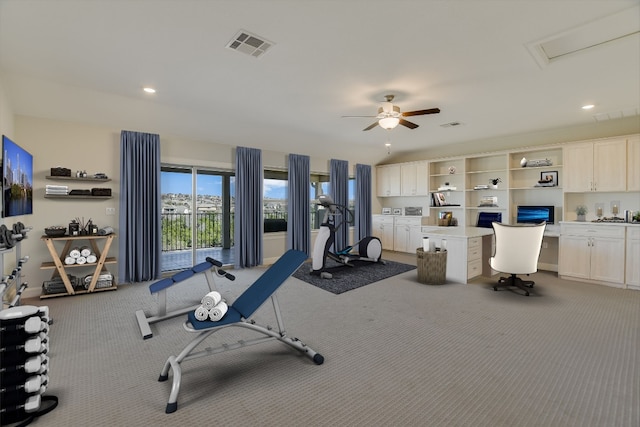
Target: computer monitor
[535, 214]
[486, 218]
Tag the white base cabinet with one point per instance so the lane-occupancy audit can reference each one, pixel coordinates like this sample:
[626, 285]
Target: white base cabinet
[632, 272]
[592, 252]
[407, 234]
[383, 230]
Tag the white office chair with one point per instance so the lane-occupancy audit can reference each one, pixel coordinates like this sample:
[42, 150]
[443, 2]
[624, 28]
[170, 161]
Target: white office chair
[517, 251]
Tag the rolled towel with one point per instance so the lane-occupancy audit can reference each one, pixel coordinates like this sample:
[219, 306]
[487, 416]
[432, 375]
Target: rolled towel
[92, 259]
[69, 260]
[201, 313]
[85, 251]
[211, 299]
[218, 312]
[81, 260]
[75, 253]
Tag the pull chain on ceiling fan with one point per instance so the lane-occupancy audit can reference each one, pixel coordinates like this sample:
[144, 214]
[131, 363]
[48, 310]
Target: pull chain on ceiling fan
[389, 115]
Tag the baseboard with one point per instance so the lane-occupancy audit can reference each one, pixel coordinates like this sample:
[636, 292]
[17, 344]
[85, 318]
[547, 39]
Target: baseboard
[547, 267]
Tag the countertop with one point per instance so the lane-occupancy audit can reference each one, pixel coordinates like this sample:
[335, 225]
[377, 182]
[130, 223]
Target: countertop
[465, 232]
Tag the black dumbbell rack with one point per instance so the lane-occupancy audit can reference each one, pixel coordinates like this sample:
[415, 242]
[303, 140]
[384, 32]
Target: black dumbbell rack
[14, 280]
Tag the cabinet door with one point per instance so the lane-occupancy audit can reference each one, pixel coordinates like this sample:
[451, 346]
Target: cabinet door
[388, 180]
[422, 178]
[633, 266]
[382, 181]
[610, 165]
[607, 259]
[415, 239]
[387, 237]
[578, 167]
[633, 163]
[394, 180]
[409, 182]
[575, 257]
[401, 238]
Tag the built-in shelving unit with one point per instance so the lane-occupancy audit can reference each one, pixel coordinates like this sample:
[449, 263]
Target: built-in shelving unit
[481, 172]
[523, 180]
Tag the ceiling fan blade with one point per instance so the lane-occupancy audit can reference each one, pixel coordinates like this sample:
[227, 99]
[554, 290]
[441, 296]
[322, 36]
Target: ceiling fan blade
[421, 112]
[408, 124]
[371, 126]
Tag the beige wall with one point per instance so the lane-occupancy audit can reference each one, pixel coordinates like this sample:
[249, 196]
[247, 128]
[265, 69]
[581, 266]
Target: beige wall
[97, 149]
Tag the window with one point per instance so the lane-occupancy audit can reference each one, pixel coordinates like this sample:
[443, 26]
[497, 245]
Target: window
[274, 200]
[197, 214]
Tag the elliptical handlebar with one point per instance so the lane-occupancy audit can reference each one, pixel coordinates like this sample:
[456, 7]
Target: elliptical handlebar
[326, 201]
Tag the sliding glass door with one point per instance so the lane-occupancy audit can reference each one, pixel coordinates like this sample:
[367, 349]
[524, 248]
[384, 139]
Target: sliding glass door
[197, 216]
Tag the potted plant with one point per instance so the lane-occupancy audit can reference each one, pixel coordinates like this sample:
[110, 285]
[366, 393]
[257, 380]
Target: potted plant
[494, 182]
[581, 211]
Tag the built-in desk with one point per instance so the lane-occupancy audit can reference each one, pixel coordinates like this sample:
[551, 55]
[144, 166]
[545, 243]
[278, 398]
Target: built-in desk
[469, 249]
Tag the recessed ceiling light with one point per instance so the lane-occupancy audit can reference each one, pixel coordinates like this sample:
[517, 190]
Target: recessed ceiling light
[588, 107]
[149, 90]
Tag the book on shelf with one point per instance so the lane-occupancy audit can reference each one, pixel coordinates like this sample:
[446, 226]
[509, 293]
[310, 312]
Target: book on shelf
[439, 199]
[489, 201]
[447, 188]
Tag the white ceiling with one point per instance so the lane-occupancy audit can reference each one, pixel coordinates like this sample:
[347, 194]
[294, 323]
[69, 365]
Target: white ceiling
[87, 61]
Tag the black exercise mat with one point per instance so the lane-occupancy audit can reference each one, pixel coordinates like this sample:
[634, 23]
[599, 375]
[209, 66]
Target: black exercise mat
[346, 278]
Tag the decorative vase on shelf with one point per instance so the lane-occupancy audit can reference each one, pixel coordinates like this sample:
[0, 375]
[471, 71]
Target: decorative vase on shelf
[523, 162]
[582, 218]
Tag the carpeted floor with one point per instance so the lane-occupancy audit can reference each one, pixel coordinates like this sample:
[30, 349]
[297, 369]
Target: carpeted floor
[397, 353]
[346, 278]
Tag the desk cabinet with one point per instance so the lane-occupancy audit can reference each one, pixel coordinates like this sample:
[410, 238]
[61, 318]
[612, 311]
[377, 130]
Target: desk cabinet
[468, 253]
[592, 252]
[93, 269]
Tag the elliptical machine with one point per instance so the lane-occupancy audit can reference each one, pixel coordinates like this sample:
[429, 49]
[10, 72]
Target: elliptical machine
[368, 248]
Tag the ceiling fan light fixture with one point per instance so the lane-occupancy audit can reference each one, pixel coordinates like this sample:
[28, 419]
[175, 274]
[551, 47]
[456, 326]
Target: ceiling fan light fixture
[388, 122]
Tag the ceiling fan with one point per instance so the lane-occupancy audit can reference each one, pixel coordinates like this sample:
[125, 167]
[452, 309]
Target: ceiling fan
[389, 115]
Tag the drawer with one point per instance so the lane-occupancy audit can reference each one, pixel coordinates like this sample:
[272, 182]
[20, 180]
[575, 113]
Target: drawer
[633, 232]
[413, 221]
[474, 242]
[474, 268]
[592, 230]
[474, 253]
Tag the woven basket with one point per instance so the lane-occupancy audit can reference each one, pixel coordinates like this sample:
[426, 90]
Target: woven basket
[432, 267]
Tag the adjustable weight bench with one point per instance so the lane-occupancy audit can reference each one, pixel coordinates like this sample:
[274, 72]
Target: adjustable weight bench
[238, 314]
[160, 288]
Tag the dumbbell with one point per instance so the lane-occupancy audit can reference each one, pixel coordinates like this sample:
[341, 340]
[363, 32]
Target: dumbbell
[20, 231]
[10, 236]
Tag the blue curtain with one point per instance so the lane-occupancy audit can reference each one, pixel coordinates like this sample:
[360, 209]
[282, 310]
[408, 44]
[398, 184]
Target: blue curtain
[339, 177]
[248, 221]
[140, 240]
[363, 202]
[298, 212]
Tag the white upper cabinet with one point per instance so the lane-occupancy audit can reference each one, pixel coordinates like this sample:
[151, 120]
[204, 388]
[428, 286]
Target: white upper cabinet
[596, 166]
[633, 163]
[388, 181]
[415, 178]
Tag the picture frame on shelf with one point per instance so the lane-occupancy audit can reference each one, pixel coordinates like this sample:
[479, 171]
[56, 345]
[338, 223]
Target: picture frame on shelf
[548, 179]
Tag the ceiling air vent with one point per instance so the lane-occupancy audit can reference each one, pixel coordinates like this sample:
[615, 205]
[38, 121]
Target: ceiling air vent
[450, 124]
[249, 43]
[593, 34]
[612, 115]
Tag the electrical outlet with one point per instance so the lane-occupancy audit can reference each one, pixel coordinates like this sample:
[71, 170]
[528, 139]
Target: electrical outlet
[111, 211]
